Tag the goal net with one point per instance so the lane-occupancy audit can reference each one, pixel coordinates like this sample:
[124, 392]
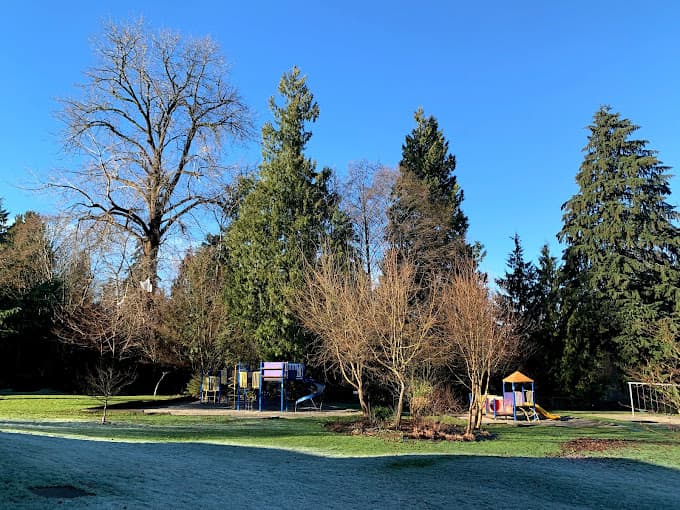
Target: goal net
[655, 398]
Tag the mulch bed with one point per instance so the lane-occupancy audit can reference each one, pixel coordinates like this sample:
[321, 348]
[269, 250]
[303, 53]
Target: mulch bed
[422, 430]
[576, 447]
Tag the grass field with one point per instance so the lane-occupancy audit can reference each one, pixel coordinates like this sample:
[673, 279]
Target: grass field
[147, 461]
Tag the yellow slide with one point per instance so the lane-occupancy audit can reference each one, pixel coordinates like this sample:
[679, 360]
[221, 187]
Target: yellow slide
[546, 414]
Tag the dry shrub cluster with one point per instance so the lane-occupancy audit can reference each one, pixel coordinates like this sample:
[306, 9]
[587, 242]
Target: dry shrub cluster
[431, 430]
[403, 326]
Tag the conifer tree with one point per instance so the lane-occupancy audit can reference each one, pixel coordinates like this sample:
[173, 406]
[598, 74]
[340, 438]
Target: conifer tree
[3, 223]
[518, 284]
[621, 262]
[545, 349]
[281, 224]
[5, 311]
[426, 222]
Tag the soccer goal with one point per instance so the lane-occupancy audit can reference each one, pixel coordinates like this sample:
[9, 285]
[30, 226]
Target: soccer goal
[655, 398]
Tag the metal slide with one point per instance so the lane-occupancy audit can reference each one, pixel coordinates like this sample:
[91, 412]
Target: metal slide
[319, 388]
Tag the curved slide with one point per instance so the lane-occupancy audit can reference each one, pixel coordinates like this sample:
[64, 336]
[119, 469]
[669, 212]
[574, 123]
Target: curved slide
[319, 388]
[546, 414]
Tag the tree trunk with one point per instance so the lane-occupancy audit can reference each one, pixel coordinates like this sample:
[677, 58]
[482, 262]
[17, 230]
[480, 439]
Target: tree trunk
[400, 405]
[150, 247]
[155, 390]
[367, 248]
[362, 400]
[106, 405]
[478, 413]
[473, 419]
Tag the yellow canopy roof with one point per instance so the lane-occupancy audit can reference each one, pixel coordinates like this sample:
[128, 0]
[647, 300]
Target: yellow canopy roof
[517, 377]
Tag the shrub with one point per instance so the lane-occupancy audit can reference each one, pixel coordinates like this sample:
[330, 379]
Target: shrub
[381, 415]
[420, 398]
[194, 385]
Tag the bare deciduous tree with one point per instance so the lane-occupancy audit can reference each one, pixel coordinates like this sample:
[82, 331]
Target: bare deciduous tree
[102, 307]
[404, 324]
[388, 331]
[109, 325]
[478, 335]
[335, 304]
[366, 198]
[150, 124]
[420, 227]
[107, 380]
[196, 313]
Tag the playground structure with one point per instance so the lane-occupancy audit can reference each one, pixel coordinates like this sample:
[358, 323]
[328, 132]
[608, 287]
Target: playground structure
[518, 400]
[244, 389]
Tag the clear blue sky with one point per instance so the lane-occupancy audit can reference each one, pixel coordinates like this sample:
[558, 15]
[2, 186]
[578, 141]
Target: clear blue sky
[513, 85]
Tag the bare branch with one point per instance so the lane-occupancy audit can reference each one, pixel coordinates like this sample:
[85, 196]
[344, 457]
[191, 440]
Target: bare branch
[150, 125]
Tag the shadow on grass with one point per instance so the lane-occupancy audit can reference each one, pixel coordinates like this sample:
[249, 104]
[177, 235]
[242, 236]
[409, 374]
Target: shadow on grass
[137, 405]
[212, 476]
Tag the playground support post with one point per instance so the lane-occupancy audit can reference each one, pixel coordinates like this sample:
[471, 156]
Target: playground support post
[259, 391]
[264, 366]
[283, 379]
[514, 403]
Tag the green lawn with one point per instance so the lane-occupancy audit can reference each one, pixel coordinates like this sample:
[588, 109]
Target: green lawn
[163, 461]
[72, 416]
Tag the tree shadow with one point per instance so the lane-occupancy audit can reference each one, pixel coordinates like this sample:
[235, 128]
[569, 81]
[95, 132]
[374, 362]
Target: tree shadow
[212, 476]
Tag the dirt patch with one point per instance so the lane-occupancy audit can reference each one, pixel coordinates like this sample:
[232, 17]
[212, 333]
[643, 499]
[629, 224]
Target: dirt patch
[431, 431]
[577, 447]
[60, 492]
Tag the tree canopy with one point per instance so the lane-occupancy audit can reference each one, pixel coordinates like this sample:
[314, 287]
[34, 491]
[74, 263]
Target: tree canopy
[150, 123]
[621, 261]
[426, 221]
[281, 225]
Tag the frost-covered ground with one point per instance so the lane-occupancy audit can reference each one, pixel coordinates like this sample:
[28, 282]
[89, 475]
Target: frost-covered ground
[204, 476]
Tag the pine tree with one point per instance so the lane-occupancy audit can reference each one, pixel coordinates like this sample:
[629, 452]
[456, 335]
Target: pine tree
[29, 293]
[280, 225]
[426, 221]
[621, 262]
[3, 223]
[5, 311]
[518, 284]
[544, 347]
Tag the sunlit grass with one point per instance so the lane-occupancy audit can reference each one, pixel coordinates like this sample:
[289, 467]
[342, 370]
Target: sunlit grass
[25, 406]
[69, 416]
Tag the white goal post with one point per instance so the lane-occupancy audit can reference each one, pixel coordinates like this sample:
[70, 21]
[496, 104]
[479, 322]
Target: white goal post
[658, 398]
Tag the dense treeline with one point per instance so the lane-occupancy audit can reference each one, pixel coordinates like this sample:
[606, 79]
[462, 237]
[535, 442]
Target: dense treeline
[604, 314]
[347, 276]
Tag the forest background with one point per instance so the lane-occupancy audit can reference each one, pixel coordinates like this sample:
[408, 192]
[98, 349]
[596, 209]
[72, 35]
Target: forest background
[599, 307]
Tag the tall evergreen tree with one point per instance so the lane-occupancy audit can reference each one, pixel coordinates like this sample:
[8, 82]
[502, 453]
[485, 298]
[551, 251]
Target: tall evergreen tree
[5, 310]
[545, 349]
[621, 262]
[531, 292]
[518, 283]
[29, 293]
[426, 221]
[3, 223]
[280, 225]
